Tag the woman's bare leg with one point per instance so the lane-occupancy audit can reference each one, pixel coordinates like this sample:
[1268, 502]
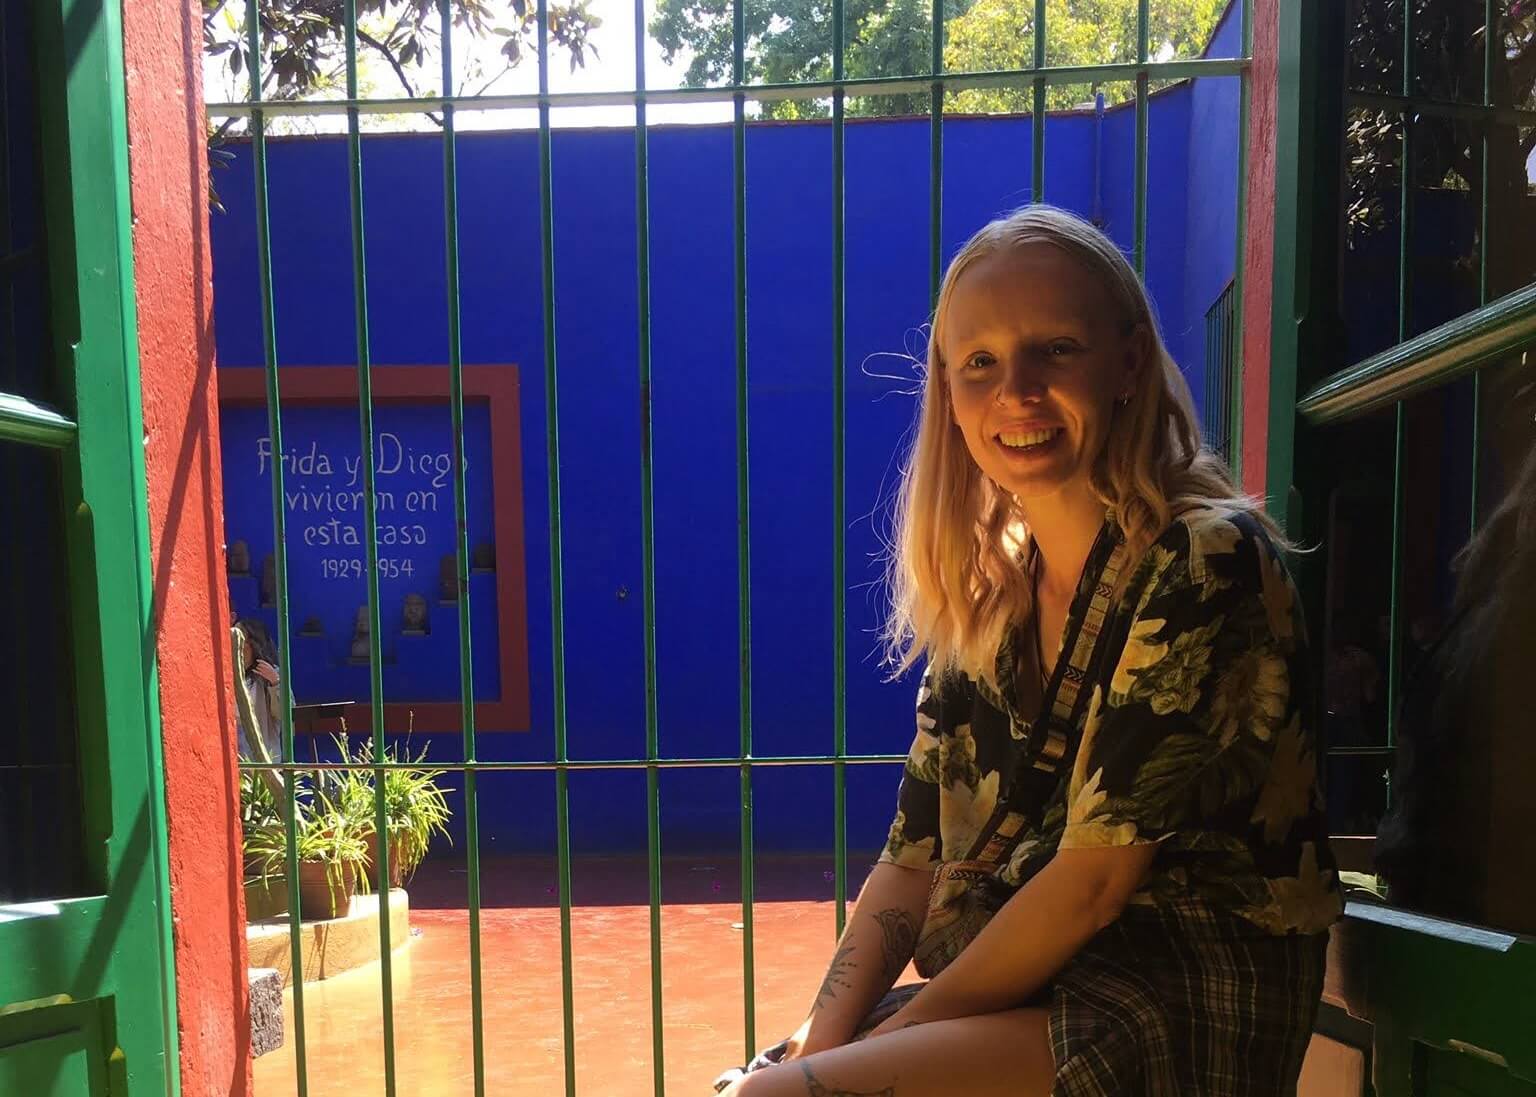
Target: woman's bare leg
[1004, 1054]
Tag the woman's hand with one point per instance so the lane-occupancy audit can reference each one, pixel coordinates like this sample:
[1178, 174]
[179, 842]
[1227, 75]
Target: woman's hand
[265, 671]
[905, 1017]
[808, 1040]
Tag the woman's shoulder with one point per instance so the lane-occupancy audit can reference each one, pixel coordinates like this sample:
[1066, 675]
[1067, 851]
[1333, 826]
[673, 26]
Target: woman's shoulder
[1211, 545]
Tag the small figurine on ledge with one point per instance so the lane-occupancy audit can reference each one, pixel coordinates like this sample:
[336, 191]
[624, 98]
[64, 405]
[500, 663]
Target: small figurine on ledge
[269, 580]
[360, 633]
[238, 561]
[414, 621]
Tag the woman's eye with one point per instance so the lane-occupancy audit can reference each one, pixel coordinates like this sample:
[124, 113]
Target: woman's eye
[979, 361]
[1062, 348]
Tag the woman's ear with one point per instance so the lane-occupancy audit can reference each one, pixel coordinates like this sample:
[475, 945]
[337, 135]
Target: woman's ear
[1138, 356]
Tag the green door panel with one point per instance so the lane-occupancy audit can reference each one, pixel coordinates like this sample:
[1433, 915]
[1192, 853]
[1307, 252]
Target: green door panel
[54, 1051]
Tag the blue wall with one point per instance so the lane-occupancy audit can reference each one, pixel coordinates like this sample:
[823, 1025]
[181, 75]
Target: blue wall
[1211, 212]
[789, 253]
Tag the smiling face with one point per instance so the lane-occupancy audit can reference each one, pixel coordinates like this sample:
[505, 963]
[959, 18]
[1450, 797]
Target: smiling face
[1035, 355]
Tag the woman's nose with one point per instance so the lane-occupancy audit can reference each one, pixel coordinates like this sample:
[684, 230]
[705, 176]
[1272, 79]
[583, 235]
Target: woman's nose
[1019, 381]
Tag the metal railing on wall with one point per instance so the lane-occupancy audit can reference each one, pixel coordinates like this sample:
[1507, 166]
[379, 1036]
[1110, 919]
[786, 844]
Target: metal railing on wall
[1038, 77]
[1221, 358]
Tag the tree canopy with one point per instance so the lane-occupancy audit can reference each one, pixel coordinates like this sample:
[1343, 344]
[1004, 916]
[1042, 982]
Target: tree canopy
[793, 42]
[303, 42]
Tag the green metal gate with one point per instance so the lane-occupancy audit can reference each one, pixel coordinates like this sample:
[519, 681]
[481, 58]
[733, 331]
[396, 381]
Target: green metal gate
[937, 83]
[1396, 451]
[87, 1003]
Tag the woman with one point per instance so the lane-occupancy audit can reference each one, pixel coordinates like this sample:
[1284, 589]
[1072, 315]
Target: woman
[257, 700]
[1109, 853]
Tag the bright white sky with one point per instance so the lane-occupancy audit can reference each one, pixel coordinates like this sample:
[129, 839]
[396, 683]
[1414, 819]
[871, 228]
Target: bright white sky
[613, 69]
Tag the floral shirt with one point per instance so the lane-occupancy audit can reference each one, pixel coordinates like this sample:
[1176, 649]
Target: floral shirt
[1194, 729]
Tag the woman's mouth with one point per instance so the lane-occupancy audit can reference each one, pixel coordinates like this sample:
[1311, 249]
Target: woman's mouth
[1029, 441]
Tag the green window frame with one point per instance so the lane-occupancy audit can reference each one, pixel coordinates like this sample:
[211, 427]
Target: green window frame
[96, 967]
[1443, 1007]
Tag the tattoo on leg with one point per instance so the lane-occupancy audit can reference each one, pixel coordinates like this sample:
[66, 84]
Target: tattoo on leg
[814, 1088]
[899, 930]
[837, 976]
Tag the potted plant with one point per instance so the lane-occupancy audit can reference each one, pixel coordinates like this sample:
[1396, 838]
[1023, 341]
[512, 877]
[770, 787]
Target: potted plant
[331, 849]
[415, 807]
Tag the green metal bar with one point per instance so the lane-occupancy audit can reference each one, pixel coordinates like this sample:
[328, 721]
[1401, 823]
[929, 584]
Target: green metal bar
[1239, 267]
[1440, 108]
[936, 155]
[461, 553]
[279, 544]
[648, 549]
[726, 762]
[371, 546]
[839, 492]
[1037, 117]
[1490, 31]
[33, 424]
[762, 93]
[1143, 111]
[743, 524]
[556, 571]
[1400, 425]
[1433, 358]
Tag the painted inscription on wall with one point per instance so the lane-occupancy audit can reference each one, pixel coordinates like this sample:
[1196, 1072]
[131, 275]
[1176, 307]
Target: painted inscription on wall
[325, 512]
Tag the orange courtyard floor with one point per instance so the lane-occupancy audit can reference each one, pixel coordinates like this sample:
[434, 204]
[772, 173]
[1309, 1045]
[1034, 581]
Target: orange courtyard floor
[520, 933]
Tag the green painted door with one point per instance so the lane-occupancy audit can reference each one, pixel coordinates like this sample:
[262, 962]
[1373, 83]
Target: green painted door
[86, 994]
[1402, 450]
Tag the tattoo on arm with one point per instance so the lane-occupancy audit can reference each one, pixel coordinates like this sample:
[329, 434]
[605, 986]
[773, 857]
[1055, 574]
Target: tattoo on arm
[814, 1088]
[837, 976]
[898, 940]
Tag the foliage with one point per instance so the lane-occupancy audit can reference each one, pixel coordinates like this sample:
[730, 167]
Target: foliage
[415, 805]
[1448, 58]
[336, 812]
[258, 806]
[325, 831]
[999, 34]
[303, 42]
[793, 42]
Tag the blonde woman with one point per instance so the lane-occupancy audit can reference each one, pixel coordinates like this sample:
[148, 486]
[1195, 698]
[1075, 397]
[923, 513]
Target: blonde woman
[1109, 857]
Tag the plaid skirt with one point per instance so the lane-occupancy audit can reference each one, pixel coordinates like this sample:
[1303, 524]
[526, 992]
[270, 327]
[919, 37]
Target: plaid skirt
[1176, 1000]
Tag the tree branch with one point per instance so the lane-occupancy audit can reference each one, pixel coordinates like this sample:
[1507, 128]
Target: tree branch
[394, 63]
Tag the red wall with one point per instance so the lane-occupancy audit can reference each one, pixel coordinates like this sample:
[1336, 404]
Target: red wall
[162, 46]
[1259, 273]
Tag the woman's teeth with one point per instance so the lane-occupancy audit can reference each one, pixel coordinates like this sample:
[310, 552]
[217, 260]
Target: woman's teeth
[1027, 439]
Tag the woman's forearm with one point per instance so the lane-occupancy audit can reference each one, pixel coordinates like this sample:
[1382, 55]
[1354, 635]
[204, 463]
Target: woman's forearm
[875, 947]
[1032, 937]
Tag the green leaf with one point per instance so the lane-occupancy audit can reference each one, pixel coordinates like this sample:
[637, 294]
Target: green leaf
[1162, 786]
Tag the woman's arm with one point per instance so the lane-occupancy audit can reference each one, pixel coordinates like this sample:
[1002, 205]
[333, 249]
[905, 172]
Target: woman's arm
[874, 949]
[1033, 936]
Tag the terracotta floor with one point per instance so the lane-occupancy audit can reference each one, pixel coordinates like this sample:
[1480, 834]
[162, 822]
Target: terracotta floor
[701, 976]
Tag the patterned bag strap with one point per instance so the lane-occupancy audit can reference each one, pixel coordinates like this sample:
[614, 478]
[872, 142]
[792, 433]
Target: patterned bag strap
[1051, 741]
[1064, 718]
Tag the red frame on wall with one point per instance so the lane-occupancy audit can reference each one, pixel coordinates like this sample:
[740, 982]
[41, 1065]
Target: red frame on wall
[496, 386]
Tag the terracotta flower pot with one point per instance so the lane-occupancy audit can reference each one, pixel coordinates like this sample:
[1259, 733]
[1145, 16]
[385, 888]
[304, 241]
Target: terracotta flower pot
[396, 874]
[318, 898]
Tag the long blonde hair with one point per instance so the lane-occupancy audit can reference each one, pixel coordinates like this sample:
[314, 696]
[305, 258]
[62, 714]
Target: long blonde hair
[953, 575]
